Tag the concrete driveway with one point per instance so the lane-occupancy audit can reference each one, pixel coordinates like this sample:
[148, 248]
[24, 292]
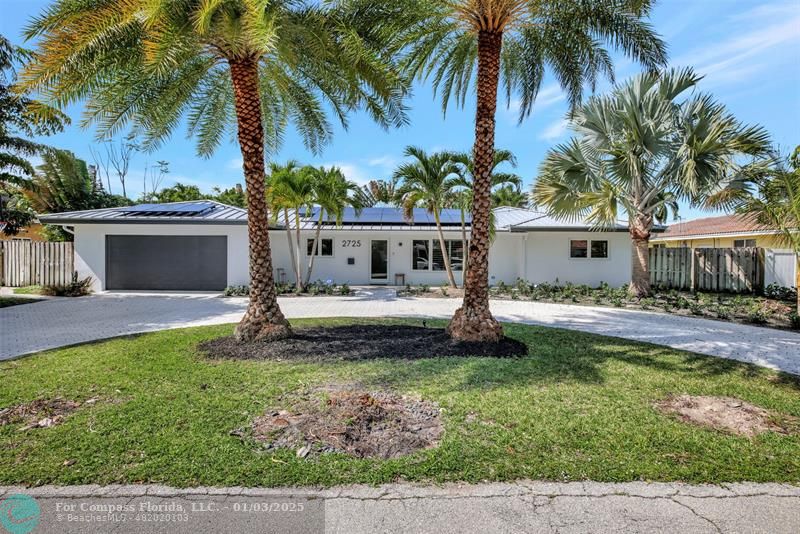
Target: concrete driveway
[58, 322]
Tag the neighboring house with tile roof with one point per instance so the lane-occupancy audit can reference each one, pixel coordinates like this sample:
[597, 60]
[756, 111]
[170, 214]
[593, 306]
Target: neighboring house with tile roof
[725, 231]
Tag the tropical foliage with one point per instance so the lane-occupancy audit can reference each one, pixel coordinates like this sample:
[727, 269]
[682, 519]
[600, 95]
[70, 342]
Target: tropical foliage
[511, 42]
[770, 194]
[379, 192]
[63, 183]
[428, 181]
[255, 65]
[21, 118]
[331, 194]
[639, 150]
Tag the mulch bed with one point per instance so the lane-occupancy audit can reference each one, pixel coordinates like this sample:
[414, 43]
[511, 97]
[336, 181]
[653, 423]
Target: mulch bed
[360, 342]
[728, 414]
[349, 420]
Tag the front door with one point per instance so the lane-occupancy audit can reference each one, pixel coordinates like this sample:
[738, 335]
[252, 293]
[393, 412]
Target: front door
[379, 261]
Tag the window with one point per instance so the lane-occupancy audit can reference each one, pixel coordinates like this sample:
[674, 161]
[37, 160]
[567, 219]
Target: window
[599, 249]
[420, 255]
[326, 245]
[578, 248]
[455, 251]
[742, 243]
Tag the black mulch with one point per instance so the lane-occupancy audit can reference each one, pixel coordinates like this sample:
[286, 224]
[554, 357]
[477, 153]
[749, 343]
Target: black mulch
[360, 342]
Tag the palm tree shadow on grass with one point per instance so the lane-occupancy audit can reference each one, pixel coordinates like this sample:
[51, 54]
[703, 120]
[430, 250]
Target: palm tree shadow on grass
[548, 356]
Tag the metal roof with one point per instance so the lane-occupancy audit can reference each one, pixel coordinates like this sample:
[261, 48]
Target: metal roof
[508, 219]
[512, 219]
[188, 212]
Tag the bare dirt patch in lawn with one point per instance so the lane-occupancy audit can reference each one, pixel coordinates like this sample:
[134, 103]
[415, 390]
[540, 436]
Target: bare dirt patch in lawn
[40, 413]
[350, 420]
[360, 342]
[728, 415]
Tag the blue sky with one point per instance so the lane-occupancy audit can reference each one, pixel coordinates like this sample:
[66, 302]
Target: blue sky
[749, 52]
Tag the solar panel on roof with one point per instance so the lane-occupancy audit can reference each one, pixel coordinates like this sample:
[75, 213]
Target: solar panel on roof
[185, 209]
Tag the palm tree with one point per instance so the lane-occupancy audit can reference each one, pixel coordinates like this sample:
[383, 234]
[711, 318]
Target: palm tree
[642, 149]
[770, 195]
[428, 181]
[256, 63]
[378, 192]
[332, 194]
[289, 191]
[509, 195]
[464, 184]
[515, 40]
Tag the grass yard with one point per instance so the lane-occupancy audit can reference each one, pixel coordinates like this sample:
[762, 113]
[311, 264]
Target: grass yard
[578, 407]
[28, 290]
[6, 301]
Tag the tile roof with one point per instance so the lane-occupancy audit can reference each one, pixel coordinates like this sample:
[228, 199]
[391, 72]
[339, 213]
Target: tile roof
[714, 226]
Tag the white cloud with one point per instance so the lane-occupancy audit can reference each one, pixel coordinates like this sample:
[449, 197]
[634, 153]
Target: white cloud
[386, 161]
[548, 96]
[235, 164]
[555, 130]
[351, 170]
[748, 53]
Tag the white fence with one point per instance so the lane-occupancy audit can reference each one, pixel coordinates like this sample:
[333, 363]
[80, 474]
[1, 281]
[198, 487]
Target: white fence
[779, 268]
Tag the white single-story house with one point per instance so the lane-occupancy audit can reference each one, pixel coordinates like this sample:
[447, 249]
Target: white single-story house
[203, 245]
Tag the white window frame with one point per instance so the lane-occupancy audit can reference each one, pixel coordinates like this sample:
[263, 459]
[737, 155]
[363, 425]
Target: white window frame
[744, 243]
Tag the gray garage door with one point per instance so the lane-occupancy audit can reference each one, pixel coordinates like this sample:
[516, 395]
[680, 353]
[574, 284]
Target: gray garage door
[196, 262]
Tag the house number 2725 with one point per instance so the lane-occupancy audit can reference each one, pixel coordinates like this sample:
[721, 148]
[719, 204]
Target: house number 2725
[351, 242]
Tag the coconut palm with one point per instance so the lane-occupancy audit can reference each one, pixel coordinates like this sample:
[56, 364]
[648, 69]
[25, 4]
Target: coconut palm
[511, 41]
[332, 193]
[289, 191]
[258, 64]
[770, 195]
[640, 149]
[428, 181]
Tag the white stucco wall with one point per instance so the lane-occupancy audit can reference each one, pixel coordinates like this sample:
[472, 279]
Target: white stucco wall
[535, 256]
[547, 258]
[90, 246]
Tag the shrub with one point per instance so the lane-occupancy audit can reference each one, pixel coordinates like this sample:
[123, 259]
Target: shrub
[240, 291]
[757, 314]
[794, 320]
[344, 289]
[723, 312]
[776, 292]
[75, 288]
[696, 308]
[443, 289]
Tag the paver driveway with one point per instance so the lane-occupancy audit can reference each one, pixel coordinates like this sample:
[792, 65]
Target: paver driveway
[54, 323]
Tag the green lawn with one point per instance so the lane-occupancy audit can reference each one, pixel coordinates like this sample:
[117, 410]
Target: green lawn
[579, 407]
[28, 290]
[5, 301]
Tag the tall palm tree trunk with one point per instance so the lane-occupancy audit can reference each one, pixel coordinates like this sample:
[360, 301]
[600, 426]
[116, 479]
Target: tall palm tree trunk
[445, 255]
[289, 237]
[298, 268]
[314, 248]
[473, 321]
[263, 318]
[464, 245]
[640, 227]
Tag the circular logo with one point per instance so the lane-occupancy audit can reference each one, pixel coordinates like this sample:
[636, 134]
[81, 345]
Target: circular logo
[19, 514]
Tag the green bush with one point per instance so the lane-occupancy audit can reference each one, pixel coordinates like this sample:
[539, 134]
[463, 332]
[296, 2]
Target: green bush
[776, 292]
[238, 291]
[794, 320]
[756, 314]
[75, 288]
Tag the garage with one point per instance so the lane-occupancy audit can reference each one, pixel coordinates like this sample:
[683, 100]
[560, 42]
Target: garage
[166, 262]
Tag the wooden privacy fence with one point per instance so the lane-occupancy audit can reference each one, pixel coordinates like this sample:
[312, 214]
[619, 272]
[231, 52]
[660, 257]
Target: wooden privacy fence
[737, 270]
[27, 263]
